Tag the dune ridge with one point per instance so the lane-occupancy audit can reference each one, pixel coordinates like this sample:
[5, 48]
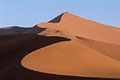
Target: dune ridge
[68, 60]
[85, 28]
[67, 47]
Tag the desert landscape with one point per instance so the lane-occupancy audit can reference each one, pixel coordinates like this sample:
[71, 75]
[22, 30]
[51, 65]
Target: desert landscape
[67, 47]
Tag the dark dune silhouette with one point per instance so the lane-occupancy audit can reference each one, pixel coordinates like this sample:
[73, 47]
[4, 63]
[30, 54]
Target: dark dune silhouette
[67, 47]
[18, 72]
[36, 29]
[57, 19]
[13, 30]
[10, 52]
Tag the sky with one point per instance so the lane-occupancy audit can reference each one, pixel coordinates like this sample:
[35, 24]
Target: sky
[27, 13]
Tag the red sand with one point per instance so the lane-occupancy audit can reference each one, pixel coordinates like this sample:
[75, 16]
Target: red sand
[90, 51]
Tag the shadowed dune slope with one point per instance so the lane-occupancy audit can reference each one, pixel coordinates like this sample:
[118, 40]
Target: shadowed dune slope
[18, 72]
[66, 48]
[10, 58]
[12, 30]
[34, 30]
[57, 19]
[14, 46]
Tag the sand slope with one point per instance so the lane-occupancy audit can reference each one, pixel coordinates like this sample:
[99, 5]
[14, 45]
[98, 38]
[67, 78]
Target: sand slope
[13, 30]
[111, 50]
[85, 28]
[66, 48]
[72, 58]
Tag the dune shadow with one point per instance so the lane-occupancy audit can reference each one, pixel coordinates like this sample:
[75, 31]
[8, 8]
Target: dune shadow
[35, 29]
[21, 73]
[17, 47]
[57, 19]
[14, 47]
[12, 30]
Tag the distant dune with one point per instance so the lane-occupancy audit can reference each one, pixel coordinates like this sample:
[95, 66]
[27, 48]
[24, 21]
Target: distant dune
[67, 47]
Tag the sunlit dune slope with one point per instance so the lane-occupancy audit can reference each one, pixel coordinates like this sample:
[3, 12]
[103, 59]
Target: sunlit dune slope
[93, 51]
[84, 28]
[72, 58]
[67, 47]
[111, 50]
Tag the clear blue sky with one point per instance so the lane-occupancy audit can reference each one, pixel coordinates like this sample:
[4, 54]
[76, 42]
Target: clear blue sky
[30, 12]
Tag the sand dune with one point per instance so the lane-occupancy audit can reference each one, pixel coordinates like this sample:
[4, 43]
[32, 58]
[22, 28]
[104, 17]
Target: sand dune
[111, 50]
[13, 30]
[67, 47]
[72, 58]
[85, 28]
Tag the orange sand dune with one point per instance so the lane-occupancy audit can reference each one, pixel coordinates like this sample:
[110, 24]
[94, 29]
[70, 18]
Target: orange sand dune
[66, 48]
[85, 28]
[72, 58]
[111, 50]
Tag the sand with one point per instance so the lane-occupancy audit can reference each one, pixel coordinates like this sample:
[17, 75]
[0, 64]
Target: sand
[67, 47]
[72, 58]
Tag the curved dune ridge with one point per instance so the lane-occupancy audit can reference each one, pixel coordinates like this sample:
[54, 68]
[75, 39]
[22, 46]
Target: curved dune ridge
[66, 48]
[72, 58]
[85, 28]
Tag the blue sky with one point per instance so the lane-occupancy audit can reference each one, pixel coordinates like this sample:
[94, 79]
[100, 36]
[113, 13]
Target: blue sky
[27, 13]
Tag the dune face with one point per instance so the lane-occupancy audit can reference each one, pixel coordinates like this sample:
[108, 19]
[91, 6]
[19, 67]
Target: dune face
[111, 50]
[71, 58]
[66, 48]
[85, 28]
[14, 30]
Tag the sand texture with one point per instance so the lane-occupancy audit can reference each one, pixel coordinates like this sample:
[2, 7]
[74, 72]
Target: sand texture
[67, 47]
